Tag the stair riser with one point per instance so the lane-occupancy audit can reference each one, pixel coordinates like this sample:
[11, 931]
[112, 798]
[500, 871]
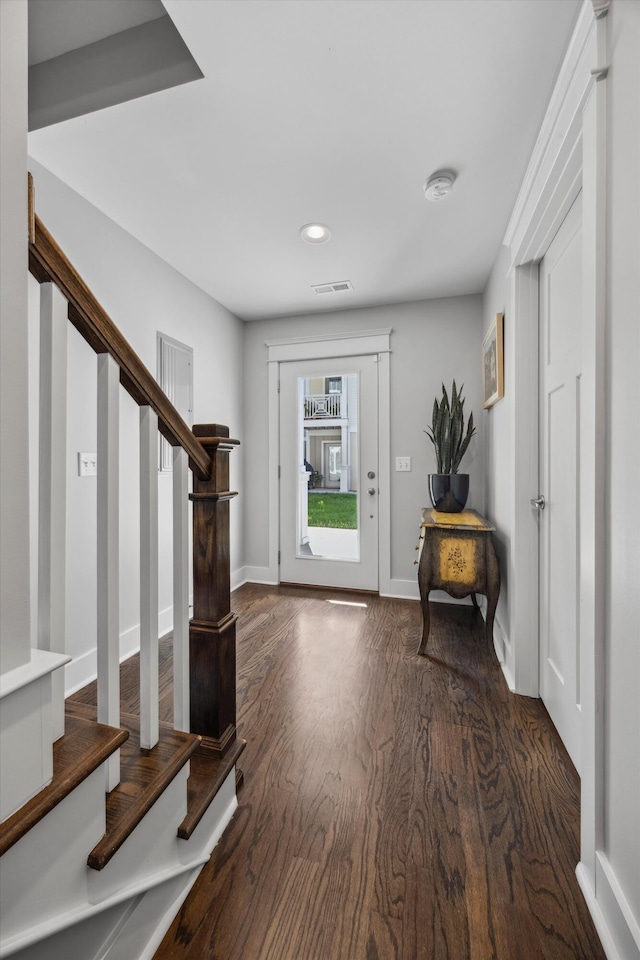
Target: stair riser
[44, 874]
[151, 895]
[151, 848]
[214, 822]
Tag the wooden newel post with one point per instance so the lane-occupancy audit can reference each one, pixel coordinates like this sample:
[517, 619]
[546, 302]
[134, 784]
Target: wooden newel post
[212, 631]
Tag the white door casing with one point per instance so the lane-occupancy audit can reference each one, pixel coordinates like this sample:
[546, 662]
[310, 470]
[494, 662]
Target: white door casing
[354, 566]
[320, 346]
[570, 153]
[560, 301]
[175, 376]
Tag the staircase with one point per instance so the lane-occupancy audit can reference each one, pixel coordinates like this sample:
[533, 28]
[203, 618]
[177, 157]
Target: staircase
[111, 801]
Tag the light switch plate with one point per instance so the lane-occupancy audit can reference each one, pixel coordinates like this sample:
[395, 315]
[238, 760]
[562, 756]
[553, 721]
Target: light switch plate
[87, 464]
[403, 464]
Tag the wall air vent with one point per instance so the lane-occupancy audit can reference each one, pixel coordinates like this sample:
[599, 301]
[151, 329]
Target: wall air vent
[340, 287]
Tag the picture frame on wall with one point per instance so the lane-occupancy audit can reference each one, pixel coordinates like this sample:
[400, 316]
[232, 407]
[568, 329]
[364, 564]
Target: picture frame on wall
[493, 362]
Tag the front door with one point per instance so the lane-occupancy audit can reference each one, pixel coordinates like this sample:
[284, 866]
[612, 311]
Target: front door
[560, 382]
[328, 472]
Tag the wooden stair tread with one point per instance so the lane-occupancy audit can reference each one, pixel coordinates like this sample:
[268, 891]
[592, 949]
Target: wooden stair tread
[144, 776]
[85, 745]
[208, 773]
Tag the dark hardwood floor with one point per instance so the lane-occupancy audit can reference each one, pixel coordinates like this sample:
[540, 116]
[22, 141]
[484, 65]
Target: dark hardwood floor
[394, 807]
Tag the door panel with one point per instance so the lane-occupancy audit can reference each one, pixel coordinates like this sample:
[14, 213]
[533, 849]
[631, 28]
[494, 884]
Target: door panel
[334, 435]
[560, 365]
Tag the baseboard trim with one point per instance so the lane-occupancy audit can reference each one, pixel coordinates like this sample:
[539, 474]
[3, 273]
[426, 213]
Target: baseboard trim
[261, 575]
[408, 590]
[84, 669]
[613, 918]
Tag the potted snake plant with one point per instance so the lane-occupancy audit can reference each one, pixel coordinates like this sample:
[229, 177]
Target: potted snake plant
[448, 488]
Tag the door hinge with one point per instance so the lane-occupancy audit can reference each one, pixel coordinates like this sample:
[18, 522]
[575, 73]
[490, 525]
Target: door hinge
[278, 558]
[278, 471]
[278, 386]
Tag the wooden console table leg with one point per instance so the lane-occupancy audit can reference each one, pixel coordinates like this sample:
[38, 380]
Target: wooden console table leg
[426, 620]
[493, 590]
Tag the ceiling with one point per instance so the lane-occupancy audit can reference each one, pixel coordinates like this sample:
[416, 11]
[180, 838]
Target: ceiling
[57, 27]
[324, 110]
[85, 55]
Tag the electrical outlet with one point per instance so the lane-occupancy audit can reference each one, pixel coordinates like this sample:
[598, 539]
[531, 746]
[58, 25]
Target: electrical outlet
[403, 464]
[87, 464]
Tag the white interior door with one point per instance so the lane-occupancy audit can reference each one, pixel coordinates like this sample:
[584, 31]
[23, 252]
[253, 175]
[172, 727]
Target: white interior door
[560, 381]
[329, 422]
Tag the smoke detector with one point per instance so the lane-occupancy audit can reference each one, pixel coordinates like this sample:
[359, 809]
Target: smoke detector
[438, 186]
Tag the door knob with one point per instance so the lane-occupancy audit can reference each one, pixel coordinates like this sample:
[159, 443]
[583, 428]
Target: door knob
[371, 491]
[371, 475]
[539, 502]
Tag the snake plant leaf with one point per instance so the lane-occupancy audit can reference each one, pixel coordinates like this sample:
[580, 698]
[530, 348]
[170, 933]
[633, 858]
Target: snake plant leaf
[447, 433]
[465, 443]
[457, 427]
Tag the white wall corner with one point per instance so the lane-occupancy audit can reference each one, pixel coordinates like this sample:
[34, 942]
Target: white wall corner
[15, 628]
[26, 733]
[238, 577]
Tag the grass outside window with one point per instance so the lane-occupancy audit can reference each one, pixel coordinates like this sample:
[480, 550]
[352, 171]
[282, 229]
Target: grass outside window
[338, 510]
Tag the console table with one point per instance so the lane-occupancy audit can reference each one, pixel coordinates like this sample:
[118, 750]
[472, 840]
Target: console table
[457, 555]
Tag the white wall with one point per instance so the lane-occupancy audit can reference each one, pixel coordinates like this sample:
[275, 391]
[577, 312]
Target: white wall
[432, 341]
[497, 432]
[14, 463]
[622, 669]
[613, 894]
[142, 294]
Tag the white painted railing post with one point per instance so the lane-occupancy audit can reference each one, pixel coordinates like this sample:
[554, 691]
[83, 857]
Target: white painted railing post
[149, 686]
[108, 634]
[52, 495]
[303, 507]
[180, 589]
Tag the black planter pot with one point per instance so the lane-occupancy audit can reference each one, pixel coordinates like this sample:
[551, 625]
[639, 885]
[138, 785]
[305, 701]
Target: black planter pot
[449, 491]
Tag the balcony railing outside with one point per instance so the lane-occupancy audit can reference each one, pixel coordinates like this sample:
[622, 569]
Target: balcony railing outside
[323, 406]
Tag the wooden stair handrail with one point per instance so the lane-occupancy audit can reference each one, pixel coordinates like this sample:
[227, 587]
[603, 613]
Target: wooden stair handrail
[48, 263]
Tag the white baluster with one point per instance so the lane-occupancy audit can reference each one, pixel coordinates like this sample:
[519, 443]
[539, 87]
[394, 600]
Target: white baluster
[52, 497]
[149, 688]
[108, 546]
[180, 589]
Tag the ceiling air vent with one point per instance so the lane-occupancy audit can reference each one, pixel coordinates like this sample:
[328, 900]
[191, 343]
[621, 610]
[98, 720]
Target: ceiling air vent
[340, 287]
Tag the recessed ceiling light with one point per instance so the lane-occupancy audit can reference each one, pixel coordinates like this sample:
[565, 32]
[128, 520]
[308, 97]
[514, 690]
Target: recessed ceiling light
[438, 186]
[315, 233]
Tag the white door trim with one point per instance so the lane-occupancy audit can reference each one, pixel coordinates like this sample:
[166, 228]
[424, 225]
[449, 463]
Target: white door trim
[569, 153]
[322, 347]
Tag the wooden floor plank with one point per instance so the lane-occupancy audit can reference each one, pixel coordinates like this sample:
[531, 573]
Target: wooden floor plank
[395, 807]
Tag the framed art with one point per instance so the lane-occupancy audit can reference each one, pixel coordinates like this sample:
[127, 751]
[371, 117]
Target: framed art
[493, 363]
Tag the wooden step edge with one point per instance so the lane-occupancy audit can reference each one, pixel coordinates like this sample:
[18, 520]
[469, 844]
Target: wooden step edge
[208, 773]
[144, 776]
[84, 746]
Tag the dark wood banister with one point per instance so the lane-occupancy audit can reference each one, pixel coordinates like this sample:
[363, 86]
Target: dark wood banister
[48, 263]
[212, 637]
